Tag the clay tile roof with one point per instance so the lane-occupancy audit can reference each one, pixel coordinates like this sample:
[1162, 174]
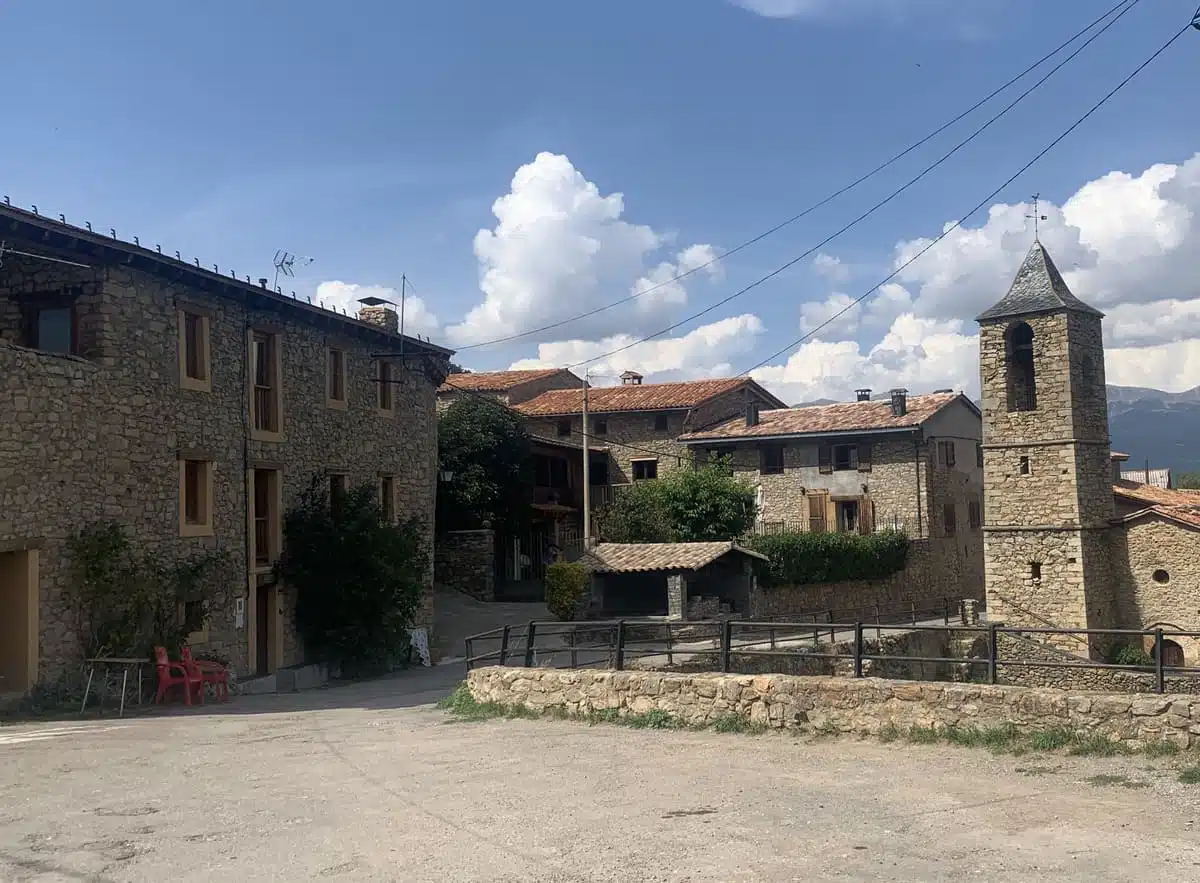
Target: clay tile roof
[1186, 517]
[639, 557]
[815, 419]
[1157, 496]
[629, 397]
[1037, 288]
[495, 381]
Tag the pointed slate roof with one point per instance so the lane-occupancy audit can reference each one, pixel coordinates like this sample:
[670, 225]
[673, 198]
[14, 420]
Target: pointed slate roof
[1038, 288]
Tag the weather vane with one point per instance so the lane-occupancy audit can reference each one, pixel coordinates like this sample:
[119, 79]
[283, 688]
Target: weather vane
[1037, 217]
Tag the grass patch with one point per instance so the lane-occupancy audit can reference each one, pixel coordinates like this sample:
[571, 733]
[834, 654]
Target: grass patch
[737, 723]
[1190, 775]
[1108, 780]
[1161, 749]
[1010, 739]
[889, 733]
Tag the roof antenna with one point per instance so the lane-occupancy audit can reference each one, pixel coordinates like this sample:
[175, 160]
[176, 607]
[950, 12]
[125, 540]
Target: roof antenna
[285, 263]
[1196, 19]
[1037, 217]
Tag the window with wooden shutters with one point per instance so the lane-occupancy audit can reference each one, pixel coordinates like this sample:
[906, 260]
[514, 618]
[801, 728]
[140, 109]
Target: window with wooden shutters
[866, 515]
[825, 460]
[770, 459]
[864, 458]
[845, 458]
[816, 513]
[974, 515]
[950, 519]
[946, 453]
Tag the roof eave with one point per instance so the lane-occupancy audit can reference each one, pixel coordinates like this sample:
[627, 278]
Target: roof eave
[837, 433]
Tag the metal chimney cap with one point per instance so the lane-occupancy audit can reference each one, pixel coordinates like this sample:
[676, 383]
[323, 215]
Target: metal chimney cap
[373, 301]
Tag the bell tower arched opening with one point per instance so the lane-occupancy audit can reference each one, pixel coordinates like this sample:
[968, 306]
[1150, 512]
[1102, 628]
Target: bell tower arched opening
[1019, 365]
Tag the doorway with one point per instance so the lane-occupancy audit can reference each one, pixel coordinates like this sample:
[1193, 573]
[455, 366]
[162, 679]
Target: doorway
[266, 630]
[18, 620]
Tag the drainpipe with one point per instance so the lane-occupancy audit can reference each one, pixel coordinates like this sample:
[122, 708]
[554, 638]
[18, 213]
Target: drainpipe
[247, 400]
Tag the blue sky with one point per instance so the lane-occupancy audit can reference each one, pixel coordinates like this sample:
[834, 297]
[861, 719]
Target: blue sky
[376, 137]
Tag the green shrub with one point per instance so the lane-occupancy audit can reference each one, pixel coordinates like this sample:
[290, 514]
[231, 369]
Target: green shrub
[1128, 654]
[803, 558]
[566, 589]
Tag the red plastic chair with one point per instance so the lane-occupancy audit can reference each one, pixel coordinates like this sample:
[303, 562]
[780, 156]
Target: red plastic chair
[176, 674]
[210, 673]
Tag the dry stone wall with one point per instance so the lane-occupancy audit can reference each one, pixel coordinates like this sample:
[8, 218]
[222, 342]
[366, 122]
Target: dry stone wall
[863, 707]
[464, 560]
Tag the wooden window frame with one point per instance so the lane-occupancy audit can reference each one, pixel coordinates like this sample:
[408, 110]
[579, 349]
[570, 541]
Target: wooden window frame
[851, 460]
[385, 395]
[35, 305]
[765, 467]
[633, 464]
[335, 396]
[274, 351]
[272, 518]
[202, 524]
[204, 345]
[947, 453]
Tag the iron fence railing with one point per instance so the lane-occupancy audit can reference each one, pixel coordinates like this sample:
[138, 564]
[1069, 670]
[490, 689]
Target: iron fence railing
[614, 643]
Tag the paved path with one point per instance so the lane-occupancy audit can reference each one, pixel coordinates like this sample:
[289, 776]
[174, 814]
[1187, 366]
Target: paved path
[368, 783]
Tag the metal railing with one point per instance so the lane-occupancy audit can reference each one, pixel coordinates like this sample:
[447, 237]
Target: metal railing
[614, 643]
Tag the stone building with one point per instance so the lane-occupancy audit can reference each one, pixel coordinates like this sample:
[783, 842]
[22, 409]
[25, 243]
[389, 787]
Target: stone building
[1067, 543]
[507, 387]
[192, 408]
[907, 463]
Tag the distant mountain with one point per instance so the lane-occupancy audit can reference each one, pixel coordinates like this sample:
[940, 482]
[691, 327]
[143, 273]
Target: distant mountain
[1160, 427]
[815, 403]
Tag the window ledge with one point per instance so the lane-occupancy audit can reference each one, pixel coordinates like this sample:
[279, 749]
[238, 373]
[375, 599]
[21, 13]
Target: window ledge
[389, 413]
[265, 436]
[195, 385]
[195, 530]
[336, 404]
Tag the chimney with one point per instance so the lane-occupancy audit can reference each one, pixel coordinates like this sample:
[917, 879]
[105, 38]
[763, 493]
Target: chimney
[262, 281]
[385, 317]
[899, 402]
[752, 413]
[631, 378]
[862, 395]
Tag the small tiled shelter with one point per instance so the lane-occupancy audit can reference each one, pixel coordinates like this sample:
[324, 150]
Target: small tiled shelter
[679, 580]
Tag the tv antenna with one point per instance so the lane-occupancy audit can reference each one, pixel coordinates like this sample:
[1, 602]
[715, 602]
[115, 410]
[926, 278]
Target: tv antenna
[285, 263]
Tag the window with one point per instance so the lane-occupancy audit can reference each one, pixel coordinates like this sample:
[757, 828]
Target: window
[979, 455]
[950, 519]
[974, 515]
[600, 427]
[1035, 570]
[195, 497]
[1023, 465]
[268, 401]
[564, 428]
[1022, 376]
[661, 422]
[335, 381]
[645, 470]
[845, 457]
[946, 453]
[387, 498]
[338, 485]
[53, 327]
[847, 516]
[265, 512]
[195, 353]
[770, 459]
[384, 376]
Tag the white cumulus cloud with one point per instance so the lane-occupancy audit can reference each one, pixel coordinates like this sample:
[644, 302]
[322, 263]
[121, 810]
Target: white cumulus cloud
[346, 295]
[560, 248]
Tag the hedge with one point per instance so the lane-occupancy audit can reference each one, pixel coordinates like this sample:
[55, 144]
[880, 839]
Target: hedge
[566, 589]
[814, 557]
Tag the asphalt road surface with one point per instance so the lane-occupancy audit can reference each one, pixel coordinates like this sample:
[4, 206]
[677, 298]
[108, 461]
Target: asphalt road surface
[369, 782]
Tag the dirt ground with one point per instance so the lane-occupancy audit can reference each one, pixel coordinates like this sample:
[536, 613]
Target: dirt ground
[370, 782]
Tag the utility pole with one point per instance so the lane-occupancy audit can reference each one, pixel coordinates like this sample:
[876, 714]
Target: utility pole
[587, 472]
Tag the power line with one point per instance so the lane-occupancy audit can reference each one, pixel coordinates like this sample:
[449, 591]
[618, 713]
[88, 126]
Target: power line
[817, 205]
[876, 207]
[1079, 122]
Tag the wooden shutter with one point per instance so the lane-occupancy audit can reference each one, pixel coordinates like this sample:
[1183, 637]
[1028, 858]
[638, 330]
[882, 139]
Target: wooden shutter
[831, 520]
[816, 512]
[866, 515]
[864, 457]
[825, 459]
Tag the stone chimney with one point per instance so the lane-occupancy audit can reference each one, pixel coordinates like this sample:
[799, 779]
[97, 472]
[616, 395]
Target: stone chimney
[631, 378]
[385, 317]
[899, 402]
[862, 395]
[752, 413]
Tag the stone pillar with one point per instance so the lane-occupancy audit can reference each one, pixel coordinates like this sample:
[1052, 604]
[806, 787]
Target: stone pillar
[677, 596]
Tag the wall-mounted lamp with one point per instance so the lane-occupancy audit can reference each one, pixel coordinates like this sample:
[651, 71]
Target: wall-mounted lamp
[446, 475]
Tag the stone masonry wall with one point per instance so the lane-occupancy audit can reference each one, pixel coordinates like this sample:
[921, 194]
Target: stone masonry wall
[1157, 569]
[100, 437]
[863, 707]
[464, 560]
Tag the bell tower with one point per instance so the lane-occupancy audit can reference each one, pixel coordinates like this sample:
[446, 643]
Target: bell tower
[1048, 497]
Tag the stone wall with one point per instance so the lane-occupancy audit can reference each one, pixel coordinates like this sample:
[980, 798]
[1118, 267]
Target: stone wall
[465, 560]
[862, 707]
[934, 572]
[100, 436]
[1156, 569]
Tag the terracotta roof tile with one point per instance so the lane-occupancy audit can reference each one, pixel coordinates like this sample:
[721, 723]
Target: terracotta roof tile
[495, 381]
[842, 417]
[631, 397]
[1184, 516]
[1157, 496]
[639, 557]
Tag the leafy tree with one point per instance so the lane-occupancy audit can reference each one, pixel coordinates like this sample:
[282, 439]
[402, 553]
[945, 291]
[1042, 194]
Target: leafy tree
[358, 579]
[566, 589]
[685, 506]
[458, 369]
[486, 448]
[1188, 481]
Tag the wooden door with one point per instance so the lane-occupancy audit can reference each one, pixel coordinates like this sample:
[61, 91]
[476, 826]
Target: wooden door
[262, 630]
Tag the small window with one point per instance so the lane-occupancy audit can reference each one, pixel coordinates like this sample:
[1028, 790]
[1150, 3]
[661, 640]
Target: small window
[195, 498]
[194, 351]
[950, 519]
[771, 460]
[564, 428]
[979, 455]
[645, 470]
[54, 330]
[338, 485]
[1024, 465]
[946, 453]
[336, 378]
[845, 457]
[600, 427]
[1035, 570]
[267, 397]
[384, 376]
[387, 498]
[974, 515]
[1161, 577]
[661, 422]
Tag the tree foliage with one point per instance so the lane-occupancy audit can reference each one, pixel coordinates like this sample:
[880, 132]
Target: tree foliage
[358, 579]
[684, 506]
[819, 557]
[126, 603]
[487, 450]
[566, 589]
[1189, 481]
